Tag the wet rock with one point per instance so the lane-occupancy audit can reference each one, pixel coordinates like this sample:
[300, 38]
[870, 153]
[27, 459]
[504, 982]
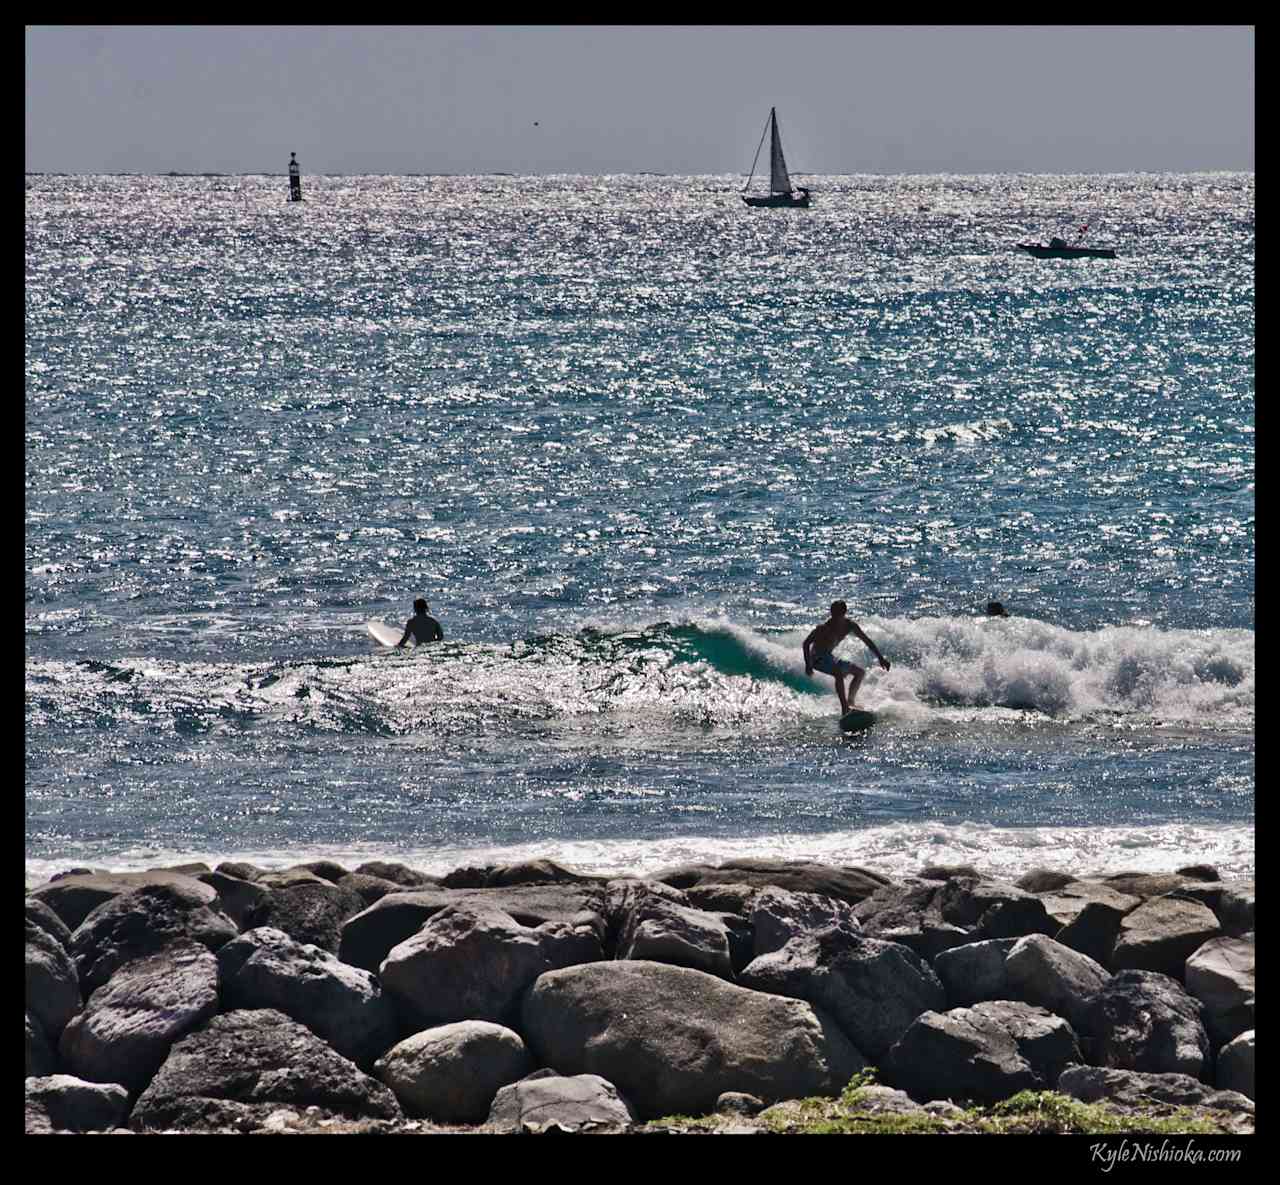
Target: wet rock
[405, 877]
[987, 1052]
[1043, 880]
[1161, 934]
[1235, 1065]
[1130, 1088]
[873, 989]
[910, 915]
[452, 1073]
[309, 911]
[265, 968]
[992, 909]
[39, 914]
[778, 915]
[527, 872]
[74, 898]
[61, 1102]
[1235, 908]
[1064, 904]
[368, 938]
[975, 972]
[578, 1103]
[52, 983]
[368, 888]
[243, 901]
[735, 1102]
[328, 870]
[728, 898]
[1093, 932]
[41, 1060]
[673, 1039]
[1220, 975]
[1044, 972]
[663, 932]
[1145, 1021]
[144, 921]
[242, 1066]
[846, 883]
[128, 1027]
[946, 872]
[473, 962]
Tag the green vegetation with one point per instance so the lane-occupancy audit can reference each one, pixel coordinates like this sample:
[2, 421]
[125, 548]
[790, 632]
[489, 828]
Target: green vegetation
[858, 1111]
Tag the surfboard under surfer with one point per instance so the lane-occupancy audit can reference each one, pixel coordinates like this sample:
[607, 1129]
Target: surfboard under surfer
[818, 647]
[420, 627]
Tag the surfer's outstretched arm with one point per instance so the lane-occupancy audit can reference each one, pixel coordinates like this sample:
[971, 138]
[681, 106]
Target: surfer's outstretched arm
[808, 658]
[408, 633]
[884, 662]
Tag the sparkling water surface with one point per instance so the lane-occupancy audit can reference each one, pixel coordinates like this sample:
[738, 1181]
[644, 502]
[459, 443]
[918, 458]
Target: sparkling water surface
[630, 438]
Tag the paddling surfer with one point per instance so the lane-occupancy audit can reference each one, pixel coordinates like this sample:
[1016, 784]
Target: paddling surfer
[818, 647]
[420, 627]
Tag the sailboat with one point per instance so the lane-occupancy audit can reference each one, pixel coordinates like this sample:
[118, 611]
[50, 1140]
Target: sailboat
[781, 192]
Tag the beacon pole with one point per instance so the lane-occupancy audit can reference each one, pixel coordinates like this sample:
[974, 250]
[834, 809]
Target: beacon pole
[295, 179]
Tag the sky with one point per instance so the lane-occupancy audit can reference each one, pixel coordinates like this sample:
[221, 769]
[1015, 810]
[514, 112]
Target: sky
[683, 99]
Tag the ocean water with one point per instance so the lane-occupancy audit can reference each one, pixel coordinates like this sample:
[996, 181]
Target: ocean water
[630, 439]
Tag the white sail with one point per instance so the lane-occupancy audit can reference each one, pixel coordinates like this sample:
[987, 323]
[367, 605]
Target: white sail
[780, 179]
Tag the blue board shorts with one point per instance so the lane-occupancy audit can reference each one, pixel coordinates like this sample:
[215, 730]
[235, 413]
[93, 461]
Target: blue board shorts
[828, 664]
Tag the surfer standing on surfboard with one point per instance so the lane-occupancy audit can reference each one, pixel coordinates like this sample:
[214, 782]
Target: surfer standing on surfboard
[819, 645]
[420, 627]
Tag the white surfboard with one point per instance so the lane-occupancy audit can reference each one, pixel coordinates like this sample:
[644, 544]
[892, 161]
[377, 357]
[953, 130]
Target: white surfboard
[383, 633]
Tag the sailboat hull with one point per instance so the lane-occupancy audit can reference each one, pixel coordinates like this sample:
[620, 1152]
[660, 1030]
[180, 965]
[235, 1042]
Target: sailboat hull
[776, 200]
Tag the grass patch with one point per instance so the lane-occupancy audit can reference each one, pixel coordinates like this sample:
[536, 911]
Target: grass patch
[858, 1111]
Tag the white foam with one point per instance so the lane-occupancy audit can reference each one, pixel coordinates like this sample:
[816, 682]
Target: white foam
[896, 850]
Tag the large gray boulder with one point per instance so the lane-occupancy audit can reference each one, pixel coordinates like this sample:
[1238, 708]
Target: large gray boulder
[911, 915]
[873, 989]
[52, 984]
[1220, 976]
[988, 1052]
[451, 1073]
[243, 901]
[1131, 1088]
[673, 1040]
[472, 962]
[130, 1024]
[778, 915]
[344, 1005]
[992, 909]
[525, 872]
[1235, 908]
[552, 1102]
[1064, 904]
[405, 877]
[241, 1066]
[369, 936]
[1041, 971]
[1145, 884]
[1161, 934]
[39, 914]
[62, 1102]
[74, 898]
[143, 921]
[668, 933]
[1235, 1065]
[845, 882]
[1142, 1020]
[310, 911]
[41, 1059]
[368, 888]
[1093, 931]
[975, 972]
